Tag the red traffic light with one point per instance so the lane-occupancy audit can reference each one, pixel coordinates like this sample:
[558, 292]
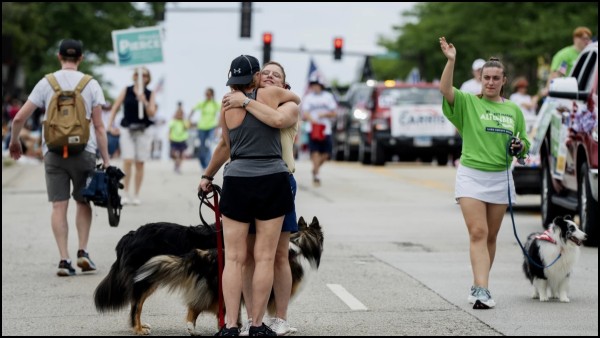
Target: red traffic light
[338, 43]
[267, 38]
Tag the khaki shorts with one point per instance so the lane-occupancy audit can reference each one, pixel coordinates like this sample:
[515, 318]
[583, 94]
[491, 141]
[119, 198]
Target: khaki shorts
[136, 145]
[60, 172]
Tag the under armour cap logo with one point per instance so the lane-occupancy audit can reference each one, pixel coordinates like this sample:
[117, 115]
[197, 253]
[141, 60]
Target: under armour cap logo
[237, 71]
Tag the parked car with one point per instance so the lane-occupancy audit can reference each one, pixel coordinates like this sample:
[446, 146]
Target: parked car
[396, 119]
[567, 142]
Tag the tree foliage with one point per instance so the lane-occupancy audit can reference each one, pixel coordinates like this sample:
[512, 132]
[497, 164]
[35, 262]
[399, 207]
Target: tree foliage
[35, 30]
[520, 34]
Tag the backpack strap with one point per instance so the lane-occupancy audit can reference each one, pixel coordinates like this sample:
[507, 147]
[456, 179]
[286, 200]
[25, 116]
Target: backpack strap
[53, 83]
[56, 87]
[82, 83]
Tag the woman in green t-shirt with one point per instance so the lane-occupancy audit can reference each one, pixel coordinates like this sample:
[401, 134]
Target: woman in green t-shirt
[486, 123]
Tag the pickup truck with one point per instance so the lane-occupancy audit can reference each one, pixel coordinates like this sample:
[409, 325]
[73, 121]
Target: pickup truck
[566, 139]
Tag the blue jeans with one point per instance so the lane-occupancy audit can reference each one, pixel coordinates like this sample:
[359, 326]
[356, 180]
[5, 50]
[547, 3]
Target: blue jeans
[204, 153]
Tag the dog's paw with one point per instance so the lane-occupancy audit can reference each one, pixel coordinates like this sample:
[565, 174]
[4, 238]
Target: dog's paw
[535, 295]
[143, 331]
[544, 299]
[565, 299]
[191, 328]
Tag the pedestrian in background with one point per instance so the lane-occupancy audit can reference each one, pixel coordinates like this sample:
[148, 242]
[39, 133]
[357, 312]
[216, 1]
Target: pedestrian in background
[486, 123]
[75, 169]
[112, 136]
[520, 96]
[136, 138]
[178, 136]
[473, 85]
[207, 123]
[563, 60]
[318, 108]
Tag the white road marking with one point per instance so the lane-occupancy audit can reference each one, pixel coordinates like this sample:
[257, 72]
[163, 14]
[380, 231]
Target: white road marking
[346, 297]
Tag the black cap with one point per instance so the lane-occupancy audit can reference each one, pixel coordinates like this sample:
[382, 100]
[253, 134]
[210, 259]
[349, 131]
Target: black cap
[70, 47]
[242, 70]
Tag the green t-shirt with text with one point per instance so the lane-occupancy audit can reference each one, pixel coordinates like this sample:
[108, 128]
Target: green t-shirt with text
[486, 128]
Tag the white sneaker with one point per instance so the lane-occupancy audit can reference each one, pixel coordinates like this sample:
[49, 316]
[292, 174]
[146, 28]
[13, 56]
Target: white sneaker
[282, 327]
[245, 331]
[125, 200]
[136, 201]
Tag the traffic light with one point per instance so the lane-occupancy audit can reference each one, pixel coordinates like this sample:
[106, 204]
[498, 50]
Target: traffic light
[338, 43]
[267, 39]
[246, 22]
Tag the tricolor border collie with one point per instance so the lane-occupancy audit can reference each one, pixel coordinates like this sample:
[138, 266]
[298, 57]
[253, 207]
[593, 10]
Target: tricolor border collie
[563, 238]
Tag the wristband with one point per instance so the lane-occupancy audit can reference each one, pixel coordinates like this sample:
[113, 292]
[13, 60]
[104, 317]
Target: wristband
[210, 178]
[246, 102]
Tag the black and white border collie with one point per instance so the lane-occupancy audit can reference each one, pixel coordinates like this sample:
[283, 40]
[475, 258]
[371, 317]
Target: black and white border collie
[563, 238]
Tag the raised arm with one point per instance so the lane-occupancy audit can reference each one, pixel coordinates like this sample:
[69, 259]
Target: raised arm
[447, 76]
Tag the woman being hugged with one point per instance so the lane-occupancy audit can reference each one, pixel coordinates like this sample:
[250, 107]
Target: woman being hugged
[490, 126]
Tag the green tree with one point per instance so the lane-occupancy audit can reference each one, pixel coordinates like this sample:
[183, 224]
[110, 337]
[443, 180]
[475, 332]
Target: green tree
[33, 31]
[518, 33]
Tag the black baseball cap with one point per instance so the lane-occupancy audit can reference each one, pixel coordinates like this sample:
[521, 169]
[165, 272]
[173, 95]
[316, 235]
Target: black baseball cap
[242, 70]
[70, 47]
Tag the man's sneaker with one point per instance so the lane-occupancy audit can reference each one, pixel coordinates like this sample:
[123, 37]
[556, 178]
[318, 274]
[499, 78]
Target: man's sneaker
[282, 327]
[84, 261]
[65, 269]
[261, 330]
[246, 328]
[224, 331]
[483, 299]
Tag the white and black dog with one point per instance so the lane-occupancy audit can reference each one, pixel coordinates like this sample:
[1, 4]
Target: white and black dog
[563, 238]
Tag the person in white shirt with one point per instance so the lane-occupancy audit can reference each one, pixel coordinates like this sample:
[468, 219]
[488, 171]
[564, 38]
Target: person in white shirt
[473, 85]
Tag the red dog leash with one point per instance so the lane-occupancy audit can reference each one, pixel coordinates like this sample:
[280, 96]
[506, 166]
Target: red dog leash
[219, 228]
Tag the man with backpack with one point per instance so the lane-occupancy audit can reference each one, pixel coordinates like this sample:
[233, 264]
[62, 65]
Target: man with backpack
[73, 103]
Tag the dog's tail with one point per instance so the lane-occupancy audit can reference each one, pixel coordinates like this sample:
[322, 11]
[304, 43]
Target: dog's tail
[115, 290]
[185, 273]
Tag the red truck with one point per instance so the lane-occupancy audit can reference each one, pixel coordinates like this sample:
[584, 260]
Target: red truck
[566, 139]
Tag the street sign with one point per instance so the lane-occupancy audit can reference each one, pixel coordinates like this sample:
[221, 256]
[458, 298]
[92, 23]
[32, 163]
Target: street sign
[138, 46]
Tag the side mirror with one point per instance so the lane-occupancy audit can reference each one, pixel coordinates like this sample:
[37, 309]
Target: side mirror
[566, 88]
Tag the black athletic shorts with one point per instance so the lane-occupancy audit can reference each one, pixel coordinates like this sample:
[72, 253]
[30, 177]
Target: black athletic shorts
[262, 197]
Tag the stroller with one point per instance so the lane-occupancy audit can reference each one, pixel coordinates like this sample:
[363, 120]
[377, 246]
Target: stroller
[102, 188]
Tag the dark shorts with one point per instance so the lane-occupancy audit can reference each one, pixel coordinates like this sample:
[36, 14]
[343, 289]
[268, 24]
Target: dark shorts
[323, 147]
[113, 143]
[178, 146]
[60, 172]
[262, 197]
[289, 222]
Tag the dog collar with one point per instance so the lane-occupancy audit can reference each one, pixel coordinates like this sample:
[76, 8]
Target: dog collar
[546, 236]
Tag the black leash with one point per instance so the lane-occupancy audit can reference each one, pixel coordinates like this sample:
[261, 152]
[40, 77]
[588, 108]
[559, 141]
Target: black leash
[205, 198]
[512, 216]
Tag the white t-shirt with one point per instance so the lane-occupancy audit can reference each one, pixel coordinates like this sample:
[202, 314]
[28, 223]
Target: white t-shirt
[42, 93]
[472, 86]
[316, 104]
[519, 99]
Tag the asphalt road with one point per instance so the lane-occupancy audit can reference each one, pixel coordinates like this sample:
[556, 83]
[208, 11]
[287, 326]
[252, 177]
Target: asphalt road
[395, 242]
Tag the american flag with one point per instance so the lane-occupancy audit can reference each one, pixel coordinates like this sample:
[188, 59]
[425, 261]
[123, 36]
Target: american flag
[313, 75]
[563, 68]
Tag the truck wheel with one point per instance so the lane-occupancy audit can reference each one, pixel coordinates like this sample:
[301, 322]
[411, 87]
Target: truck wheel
[588, 207]
[549, 209]
[377, 153]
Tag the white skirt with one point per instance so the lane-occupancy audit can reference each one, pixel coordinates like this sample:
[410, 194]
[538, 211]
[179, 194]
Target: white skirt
[486, 186]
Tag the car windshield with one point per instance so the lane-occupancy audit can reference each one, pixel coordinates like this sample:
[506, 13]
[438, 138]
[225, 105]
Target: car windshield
[403, 96]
